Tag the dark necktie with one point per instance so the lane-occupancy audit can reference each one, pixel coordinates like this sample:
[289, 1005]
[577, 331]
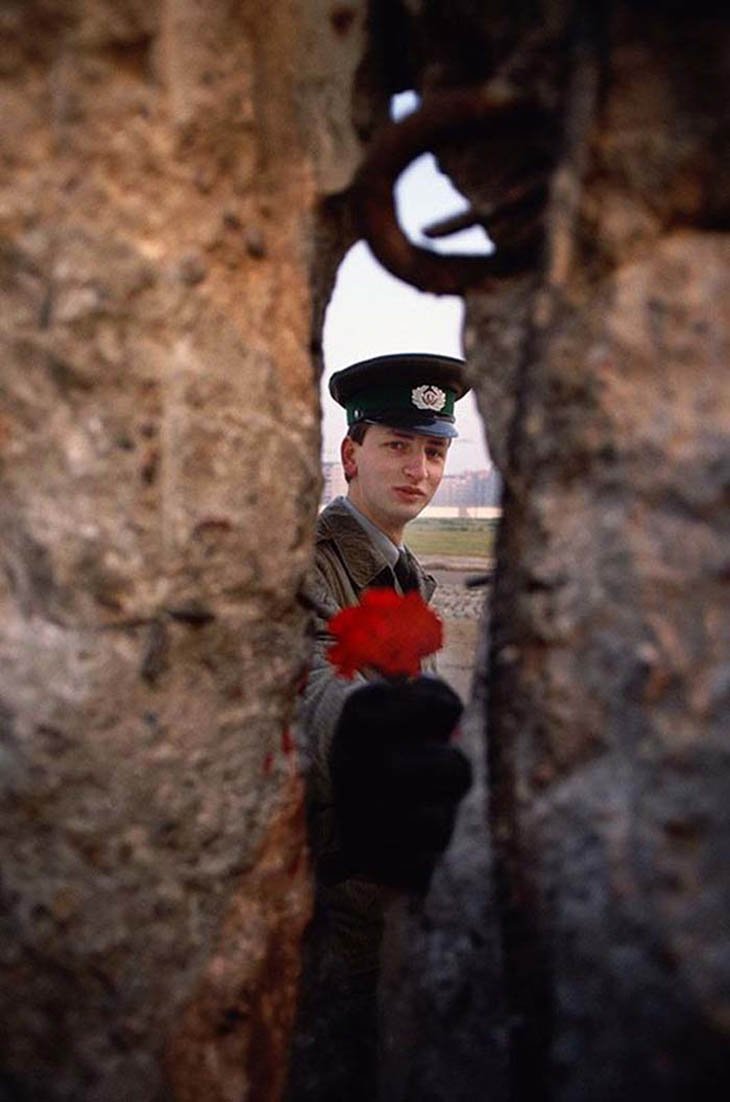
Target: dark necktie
[405, 573]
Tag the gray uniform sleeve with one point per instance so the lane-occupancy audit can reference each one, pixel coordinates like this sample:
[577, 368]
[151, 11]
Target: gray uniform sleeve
[325, 691]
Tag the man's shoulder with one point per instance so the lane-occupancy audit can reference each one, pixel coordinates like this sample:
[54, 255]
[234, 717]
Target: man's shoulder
[337, 525]
[342, 544]
[334, 519]
[336, 533]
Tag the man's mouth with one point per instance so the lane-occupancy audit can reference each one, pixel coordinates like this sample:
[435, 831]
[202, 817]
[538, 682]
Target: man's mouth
[409, 492]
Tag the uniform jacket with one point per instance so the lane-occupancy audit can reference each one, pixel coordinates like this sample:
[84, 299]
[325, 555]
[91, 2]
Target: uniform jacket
[346, 563]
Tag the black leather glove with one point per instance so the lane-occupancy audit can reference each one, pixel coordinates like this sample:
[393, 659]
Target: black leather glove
[396, 780]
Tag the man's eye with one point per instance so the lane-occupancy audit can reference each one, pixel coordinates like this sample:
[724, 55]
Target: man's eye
[435, 453]
[396, 445]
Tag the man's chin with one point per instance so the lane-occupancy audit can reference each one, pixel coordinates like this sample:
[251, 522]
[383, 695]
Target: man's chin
[409, 510]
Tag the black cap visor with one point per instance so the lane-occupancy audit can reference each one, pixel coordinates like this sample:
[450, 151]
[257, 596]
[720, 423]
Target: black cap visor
[424, 425]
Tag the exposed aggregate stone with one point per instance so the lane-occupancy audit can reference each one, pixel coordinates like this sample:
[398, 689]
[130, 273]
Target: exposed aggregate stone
[456, 602]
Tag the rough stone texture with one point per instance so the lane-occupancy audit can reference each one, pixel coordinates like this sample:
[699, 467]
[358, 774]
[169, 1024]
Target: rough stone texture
[235, 1031]
[159, 462]
[611, 686]
[609, 765]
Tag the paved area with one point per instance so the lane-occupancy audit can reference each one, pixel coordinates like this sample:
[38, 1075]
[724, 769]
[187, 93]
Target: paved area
[461, 609]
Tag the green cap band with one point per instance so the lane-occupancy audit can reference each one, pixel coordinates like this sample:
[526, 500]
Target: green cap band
[426, 398]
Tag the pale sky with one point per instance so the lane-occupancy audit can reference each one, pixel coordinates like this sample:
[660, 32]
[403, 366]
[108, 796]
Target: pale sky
[372, 313]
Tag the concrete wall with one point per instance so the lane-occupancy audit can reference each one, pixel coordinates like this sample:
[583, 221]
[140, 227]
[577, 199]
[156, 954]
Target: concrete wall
[160, 473]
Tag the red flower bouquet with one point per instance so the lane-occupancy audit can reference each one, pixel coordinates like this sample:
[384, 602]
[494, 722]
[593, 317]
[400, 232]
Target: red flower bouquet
[385, 632]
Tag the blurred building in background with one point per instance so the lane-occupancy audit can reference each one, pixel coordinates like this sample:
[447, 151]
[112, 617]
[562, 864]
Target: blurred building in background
[469, 488]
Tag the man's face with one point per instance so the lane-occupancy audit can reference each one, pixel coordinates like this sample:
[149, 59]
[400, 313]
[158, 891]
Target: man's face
[396, 473]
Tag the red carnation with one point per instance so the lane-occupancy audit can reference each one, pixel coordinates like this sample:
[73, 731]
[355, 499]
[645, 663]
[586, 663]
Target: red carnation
[385, 632]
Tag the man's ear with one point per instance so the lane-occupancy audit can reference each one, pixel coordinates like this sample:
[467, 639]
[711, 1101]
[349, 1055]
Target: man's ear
[347, 455]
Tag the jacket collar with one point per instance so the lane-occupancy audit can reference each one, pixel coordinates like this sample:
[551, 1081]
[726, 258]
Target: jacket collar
[365, 563]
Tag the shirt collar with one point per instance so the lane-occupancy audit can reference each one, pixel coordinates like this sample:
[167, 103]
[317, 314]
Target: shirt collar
[385, 545]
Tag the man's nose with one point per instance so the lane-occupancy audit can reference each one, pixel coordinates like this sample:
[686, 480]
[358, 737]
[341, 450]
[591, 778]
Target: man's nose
[415, 465]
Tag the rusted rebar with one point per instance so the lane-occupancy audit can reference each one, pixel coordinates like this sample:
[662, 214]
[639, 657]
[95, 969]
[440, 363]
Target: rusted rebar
[446, 117]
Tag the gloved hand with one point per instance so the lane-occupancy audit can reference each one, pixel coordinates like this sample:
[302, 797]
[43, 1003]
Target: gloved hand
[396, 780]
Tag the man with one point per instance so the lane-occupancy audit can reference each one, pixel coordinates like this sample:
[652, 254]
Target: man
[385, 781]
[400, 425]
